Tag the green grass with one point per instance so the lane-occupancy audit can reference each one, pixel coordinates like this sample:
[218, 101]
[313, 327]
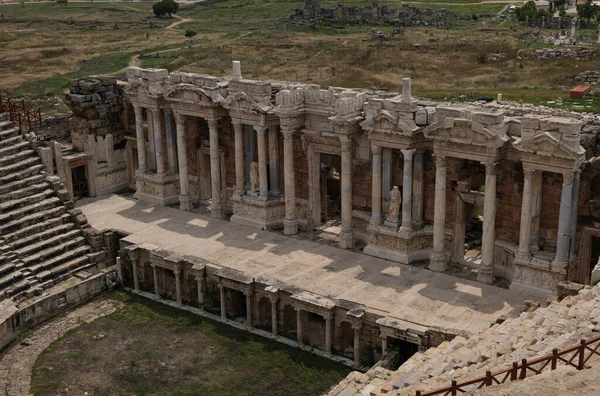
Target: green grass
[149, 348]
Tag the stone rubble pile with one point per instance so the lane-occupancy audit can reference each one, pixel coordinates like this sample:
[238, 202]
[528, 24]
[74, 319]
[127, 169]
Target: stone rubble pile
[591, 77]
[534, 333]
[555, 53]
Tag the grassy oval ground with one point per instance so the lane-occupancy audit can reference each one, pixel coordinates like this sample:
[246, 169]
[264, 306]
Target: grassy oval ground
[147, 348]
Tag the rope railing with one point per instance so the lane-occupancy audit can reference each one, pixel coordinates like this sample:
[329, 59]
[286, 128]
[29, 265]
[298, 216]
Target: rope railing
[18, 113]
[576, 356]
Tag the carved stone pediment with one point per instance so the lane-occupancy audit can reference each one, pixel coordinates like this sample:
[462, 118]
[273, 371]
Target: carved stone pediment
[240, 101]
[462, 131]
[192, 94]
[138, 87]
[385, 120]
[549, 145]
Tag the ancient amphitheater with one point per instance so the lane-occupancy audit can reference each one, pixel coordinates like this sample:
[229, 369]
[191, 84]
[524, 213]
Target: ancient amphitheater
[424, 244]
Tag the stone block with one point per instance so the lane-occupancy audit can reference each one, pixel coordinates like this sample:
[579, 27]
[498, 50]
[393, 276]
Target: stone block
[155, 75]
[134, 71]
[421, 117]
[486, 118]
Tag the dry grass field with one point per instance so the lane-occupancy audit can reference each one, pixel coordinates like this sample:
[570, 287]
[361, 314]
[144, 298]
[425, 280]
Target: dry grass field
[44, 45]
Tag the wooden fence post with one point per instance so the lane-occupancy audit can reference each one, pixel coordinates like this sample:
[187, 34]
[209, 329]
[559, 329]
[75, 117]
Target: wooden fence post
[554, 359]
[514, 372]
[581, 355]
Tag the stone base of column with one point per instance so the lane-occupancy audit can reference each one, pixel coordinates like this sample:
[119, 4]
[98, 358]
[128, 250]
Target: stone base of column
[216, 211]
[437, 262]
[485, 274]
[559, 266]
[406, 229]
[290, 227]
[184, 202]
[347, 240]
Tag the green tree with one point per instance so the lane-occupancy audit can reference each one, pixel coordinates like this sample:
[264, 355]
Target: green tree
[164, 7]
[527, 10]
[62, 2]
[190, 33]
[587, 10]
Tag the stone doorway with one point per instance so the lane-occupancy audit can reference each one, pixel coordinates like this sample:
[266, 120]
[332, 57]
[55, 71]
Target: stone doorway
[263, 321]
[329, 226]
[404, 348]
[468, 221]
[235, 304]
[288, 324]
[80, 182]
[344, 340]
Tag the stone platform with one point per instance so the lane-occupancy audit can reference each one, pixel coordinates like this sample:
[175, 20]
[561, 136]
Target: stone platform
[415, 295]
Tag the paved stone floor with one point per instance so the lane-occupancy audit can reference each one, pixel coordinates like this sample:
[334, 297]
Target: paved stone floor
[416, 295]
[16, 364]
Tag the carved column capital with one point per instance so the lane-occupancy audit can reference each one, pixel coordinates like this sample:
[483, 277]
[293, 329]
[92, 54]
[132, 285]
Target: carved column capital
[529, 173]
[440, 161]
[408, 154]
[288, 133]
[260, 130]
[238, 127]
[377, 150]
[212, 123]
[179, 118]
[568, 178]
[491, 168]
[346, 144]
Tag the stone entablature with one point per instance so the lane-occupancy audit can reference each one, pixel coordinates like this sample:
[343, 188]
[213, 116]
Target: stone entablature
[255, 128]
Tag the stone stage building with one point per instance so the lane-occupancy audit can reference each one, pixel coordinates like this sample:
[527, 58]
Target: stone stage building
[294, 156]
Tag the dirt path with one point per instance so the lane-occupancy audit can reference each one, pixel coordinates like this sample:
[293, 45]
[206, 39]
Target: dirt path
[181, 20]
[16, 364]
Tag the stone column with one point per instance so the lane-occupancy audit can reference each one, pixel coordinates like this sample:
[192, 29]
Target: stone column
[376, 186]
[200, 293]
[299, 326]
[526, 207]
[274, 161]
[563, 238]
[248, 296]
[155, 275]
[536, 217]
[575, 211]
[290, 223]
[383, 345]
[184, 181]
[407, 182]
[158, 142]
[346, 237]
[136, 278]
[418, 189]
[486, 269]
[386, 182]
[171, 143]
[262, 163]
[151, 148]
[223, 304]
[356, 328]
[178, 297]
[273, 300]
[216, 207]
[327, 333]
[437, 258]
[139, 137]
[239, 160]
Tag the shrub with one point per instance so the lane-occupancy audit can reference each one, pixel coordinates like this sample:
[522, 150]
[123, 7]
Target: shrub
[190, 33]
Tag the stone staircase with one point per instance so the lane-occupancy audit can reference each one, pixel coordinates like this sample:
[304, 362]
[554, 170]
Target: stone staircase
[534, 333]
[41, 237]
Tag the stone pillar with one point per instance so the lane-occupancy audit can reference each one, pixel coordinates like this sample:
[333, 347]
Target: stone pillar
[262, 162]
[418, 189]
[486, 269]
[536, 217]
[248, 296]
[407, 183]
[274, 161]
[327, 333]
[155, 275]
[139, 137]
[437, 258]
[526, 212]
[406, 90]
[158, 142]
[136, 278]
[575, 211]
[178, 297]
[184, 181]
[346, 237]
[376, 186]
[200, 293]
[171, 143]
[223, 302]
[239, 160]
[151, 149]
[356, 328]
[216, 207]
[299, 326]
[383, 345]
[563, 238]
[290, 223]
[273, 300]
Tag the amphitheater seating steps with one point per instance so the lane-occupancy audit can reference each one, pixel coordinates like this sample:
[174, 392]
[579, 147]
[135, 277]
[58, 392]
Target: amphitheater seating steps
[40, 242]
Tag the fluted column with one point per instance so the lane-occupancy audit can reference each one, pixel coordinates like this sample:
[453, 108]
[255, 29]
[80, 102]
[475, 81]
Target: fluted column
[200, 292]
[216, 207]
[376, 185]
[139, 137]
[262, 162]
[526, 207]
[486, 268]
[328, 333]
[418, 189]
[290, 223]
[155, 276]
[356, 329]
[184, 181]
[171, 143]
[563, 238]
[274, 161]
[407, 182]
[151, 148]
[437, 258]
[346, 237]
[239, 160]
[158, 142]
[273, 300]
[178, 297]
